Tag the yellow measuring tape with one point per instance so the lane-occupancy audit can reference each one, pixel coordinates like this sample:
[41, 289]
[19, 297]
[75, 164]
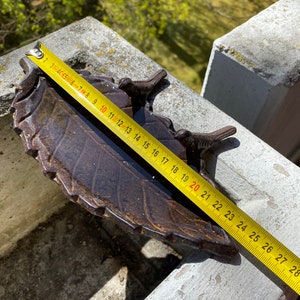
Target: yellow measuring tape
[273, 254]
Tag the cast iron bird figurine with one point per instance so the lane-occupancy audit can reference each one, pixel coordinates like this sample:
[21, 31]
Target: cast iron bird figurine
[141, 91]
[198, 143]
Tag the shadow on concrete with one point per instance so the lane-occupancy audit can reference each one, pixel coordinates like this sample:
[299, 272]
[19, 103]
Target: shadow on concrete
[74, 254]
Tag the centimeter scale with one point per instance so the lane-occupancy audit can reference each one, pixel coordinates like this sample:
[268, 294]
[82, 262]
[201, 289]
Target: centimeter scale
[259, 242]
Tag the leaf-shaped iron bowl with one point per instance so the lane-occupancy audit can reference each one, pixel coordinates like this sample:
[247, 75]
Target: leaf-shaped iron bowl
[96, 170]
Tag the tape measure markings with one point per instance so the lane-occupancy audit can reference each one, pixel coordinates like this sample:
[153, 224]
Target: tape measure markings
[273, 254]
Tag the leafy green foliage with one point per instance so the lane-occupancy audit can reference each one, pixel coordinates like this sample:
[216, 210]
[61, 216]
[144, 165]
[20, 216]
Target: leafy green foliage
[138, 21]
[142, 21]
[26, 20]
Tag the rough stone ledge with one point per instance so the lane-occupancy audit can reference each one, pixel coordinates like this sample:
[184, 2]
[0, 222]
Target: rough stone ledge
[261, 181]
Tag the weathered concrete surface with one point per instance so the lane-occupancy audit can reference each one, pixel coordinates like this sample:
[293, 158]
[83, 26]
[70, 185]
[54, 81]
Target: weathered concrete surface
[75, 255]
[253, 75]
[26, 196]
[262, 182]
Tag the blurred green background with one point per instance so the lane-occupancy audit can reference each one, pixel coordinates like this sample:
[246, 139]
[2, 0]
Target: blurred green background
[176, 34]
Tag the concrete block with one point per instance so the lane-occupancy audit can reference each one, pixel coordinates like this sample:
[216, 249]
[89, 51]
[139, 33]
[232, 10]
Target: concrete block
[260, 180]
[253, 75]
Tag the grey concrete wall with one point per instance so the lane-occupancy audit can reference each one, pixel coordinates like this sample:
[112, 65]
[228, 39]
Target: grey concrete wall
[253, 75]
[260, 180]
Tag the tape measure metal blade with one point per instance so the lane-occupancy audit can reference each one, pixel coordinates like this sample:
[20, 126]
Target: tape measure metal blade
[259, 242]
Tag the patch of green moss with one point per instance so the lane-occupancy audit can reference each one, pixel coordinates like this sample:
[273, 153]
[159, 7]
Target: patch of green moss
[240, 58]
